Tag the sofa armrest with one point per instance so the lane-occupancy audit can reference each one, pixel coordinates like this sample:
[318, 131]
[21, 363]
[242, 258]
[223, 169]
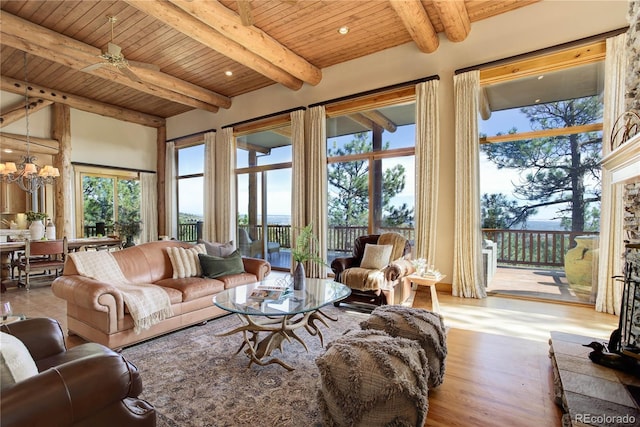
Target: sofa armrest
[91, 294]
[67, 393]
[259, 267]
[42, 336]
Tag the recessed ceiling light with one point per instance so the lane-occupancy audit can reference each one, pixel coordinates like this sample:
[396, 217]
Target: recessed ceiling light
[540, 77]
[8, 150]
[537, 100]
[228, 73]
[343, 30]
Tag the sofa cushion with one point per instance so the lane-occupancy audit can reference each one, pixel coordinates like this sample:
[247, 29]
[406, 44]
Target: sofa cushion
[376, 256]
[185, 261]
[214, 267]
[16, 363]
[219, 249]
[191, 288]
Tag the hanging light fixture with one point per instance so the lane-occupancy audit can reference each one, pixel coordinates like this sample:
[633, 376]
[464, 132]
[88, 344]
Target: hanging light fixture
[26, 174]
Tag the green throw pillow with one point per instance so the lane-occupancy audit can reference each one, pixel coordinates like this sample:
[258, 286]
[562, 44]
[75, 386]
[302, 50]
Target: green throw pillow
[214, 266]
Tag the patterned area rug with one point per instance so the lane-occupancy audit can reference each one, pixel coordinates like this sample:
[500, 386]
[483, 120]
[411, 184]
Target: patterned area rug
[193, 378]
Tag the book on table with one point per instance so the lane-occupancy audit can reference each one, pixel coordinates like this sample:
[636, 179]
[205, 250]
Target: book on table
[269, 291]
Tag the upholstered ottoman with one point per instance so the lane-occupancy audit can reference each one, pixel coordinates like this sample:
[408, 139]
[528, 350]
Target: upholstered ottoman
[368, 378]
[417, 324]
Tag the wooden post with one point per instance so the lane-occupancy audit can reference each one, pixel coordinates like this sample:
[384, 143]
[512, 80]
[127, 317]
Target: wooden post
[61, 131]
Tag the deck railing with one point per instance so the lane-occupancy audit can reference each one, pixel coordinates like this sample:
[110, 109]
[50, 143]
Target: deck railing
[514, 247]
[533, 247]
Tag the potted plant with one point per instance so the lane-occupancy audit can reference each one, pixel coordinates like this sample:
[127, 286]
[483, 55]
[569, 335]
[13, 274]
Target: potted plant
[36, 226]
[306, 249]
[128, 230]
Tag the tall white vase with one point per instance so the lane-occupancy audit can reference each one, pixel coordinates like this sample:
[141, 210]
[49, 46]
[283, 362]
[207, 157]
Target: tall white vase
[36, 229]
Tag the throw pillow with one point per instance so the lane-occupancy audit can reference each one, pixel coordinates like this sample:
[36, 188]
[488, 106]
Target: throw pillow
[222, 250]
[214, 267]
[376, 256]
[185, 261]
[16, 363]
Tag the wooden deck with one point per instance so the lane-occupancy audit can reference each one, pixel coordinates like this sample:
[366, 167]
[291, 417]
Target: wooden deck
[536, 283]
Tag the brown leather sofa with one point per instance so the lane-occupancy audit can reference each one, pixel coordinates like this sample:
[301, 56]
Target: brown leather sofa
[393, 273]
[87, 385]
[96, 310]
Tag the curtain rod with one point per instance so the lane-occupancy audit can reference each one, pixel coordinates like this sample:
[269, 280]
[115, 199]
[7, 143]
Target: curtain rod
[202, 132]
[268, 116]
[379, 90]
[93, 165]
[538, 52]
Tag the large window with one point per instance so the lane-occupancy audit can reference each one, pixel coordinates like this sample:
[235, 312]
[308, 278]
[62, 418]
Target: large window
[106, 196]
[190, 192]
[263, 173]
[371, 174]
[541, 146]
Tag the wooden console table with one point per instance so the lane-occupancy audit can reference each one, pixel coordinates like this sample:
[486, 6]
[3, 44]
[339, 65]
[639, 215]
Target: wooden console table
[590, 394]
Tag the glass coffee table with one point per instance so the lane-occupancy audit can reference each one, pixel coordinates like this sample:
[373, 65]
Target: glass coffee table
[279, 318]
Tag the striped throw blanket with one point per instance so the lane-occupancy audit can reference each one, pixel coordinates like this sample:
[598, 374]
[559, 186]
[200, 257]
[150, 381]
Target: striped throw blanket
[148, 304]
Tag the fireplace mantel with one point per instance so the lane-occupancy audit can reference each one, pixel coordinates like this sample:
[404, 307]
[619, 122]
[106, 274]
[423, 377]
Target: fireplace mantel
[624, 161]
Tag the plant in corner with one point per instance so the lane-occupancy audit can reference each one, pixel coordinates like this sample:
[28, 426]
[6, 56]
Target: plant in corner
[128, 230]
[306, 249]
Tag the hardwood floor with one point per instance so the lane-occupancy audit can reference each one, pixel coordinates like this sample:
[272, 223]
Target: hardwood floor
[498, 370]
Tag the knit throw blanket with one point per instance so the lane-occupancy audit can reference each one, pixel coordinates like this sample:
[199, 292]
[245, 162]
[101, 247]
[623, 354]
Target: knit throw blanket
[148, 304]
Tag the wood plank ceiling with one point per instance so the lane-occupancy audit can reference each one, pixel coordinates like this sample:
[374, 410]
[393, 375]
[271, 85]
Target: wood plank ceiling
[186, 47]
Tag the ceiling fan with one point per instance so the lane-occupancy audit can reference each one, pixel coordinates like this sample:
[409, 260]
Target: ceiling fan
[113, 57]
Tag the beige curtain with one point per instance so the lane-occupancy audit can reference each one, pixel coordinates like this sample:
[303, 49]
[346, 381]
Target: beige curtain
[225, 215]
[170, 191]
[315, 187]
[427, 160]
[209, 229]
[148, 207]
[298, 174]
[611, 244]
[468, 280]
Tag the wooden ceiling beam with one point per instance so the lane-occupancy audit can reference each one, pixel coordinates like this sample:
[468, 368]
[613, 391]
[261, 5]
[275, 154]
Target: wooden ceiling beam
[29, 37]
[36, 145]
[197, 30]
[80, 103]
[417, 22]
[454, 18]
[381, 120]
[362, 120]
[215, 15]
[15, 113]
[245, 12]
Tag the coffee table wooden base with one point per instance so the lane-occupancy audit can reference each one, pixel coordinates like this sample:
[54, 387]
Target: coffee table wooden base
[278, 330]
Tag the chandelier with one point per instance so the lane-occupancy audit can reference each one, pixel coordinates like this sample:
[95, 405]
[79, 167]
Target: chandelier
[27, 174]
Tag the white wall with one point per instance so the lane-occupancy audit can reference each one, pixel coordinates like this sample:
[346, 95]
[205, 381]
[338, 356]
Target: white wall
[534, 27]
[109, 142]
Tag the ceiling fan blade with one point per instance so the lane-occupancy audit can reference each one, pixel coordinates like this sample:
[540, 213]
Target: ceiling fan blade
[90, 68]
[146, 65]
[127, 72]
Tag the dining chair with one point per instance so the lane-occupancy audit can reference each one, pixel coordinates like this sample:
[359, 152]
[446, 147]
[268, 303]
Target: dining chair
[42, 255]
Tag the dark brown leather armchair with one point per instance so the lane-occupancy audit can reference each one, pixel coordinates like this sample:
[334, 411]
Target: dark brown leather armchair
[393, 273]
[87, 385]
